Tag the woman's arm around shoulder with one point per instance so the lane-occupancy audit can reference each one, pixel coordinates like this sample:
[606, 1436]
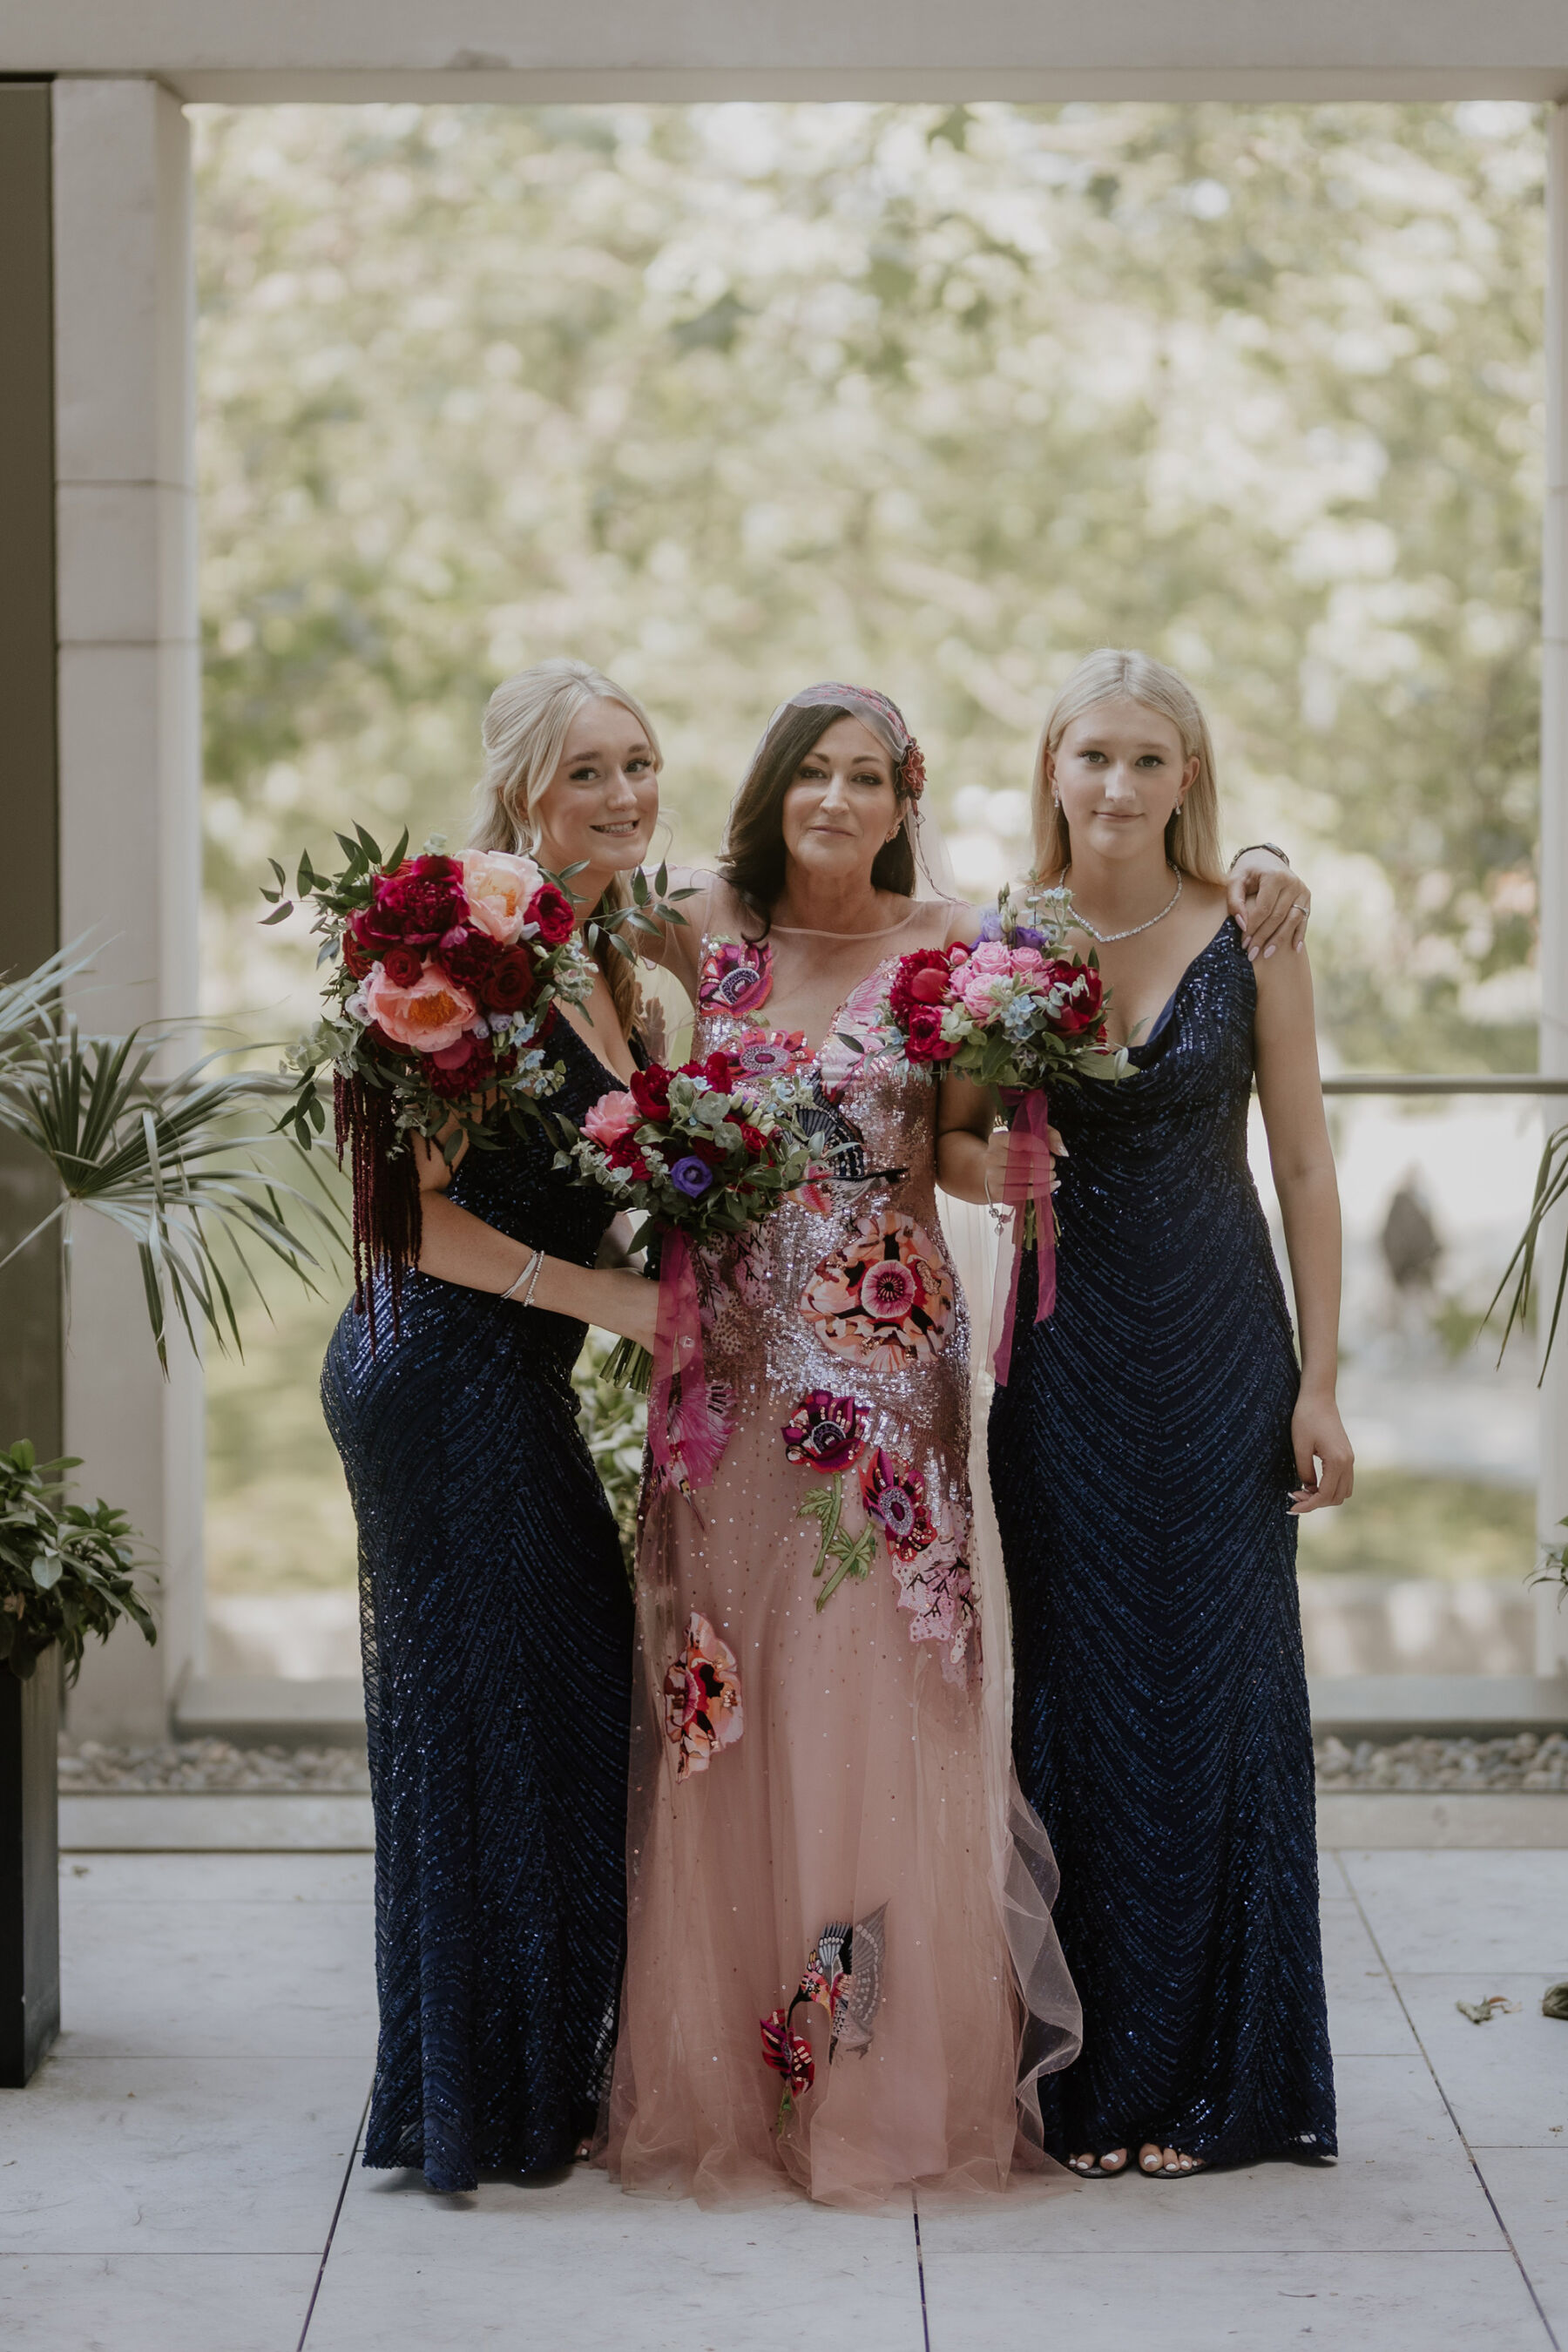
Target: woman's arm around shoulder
[1270, 904]
[1291, 1093]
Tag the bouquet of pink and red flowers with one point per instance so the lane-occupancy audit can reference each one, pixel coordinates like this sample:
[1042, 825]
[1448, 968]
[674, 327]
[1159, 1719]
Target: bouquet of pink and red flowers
[443, 977]
[705, 1153]
[1015, 1011]
[1019, 1012]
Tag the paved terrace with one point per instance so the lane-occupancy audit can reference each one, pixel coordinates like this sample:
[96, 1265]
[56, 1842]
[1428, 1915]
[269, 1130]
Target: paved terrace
[181, 2175]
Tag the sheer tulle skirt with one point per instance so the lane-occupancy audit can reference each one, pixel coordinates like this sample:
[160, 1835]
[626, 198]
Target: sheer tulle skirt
[858, 1787]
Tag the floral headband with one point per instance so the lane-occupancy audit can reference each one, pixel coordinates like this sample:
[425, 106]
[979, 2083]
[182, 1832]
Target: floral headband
[884, 719]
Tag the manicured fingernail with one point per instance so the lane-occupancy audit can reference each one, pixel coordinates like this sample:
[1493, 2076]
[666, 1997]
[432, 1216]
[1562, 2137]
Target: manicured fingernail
[1299, 945]
[1268, 951]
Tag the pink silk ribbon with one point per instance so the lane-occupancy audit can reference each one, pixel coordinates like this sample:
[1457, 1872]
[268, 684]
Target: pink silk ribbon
[704, 1420]
[1028, 1179]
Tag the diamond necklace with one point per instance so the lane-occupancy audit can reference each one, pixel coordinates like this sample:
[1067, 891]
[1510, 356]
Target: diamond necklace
[1109, 938]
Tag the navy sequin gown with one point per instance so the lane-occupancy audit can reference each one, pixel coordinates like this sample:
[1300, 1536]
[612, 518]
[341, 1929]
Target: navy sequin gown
[498, 1656]
[1141, 1460]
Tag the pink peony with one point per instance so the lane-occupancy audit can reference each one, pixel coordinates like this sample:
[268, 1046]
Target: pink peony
[497, 886]
[427, 1018]
[612, 1115]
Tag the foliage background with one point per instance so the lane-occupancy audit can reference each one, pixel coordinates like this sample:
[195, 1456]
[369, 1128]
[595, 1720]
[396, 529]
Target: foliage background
[724, 398]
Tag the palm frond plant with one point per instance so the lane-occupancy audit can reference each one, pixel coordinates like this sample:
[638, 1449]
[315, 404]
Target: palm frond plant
[65, 1572]
[1551, 1191]
[169, 1159]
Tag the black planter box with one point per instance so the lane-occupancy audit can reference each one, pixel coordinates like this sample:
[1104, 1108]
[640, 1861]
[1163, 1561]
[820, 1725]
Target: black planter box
[29, 1870]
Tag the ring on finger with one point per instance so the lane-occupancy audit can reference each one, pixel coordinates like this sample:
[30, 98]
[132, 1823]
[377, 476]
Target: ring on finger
[1303, 911]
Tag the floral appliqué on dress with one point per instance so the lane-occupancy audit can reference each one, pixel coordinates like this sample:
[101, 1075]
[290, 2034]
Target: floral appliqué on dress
[884, 1297]
[936, 1588]
[844, 1975]
[894, 1493]
[828, 1432]
[702, 1710]
[737, 975]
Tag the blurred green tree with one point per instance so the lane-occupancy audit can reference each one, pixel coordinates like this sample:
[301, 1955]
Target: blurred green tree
[725, 397]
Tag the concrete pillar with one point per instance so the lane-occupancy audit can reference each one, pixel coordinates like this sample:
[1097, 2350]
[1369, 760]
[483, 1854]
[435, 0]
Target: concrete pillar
[128, 680]
[1551, 1623]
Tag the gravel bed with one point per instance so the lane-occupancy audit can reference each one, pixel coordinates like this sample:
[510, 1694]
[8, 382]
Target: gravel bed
[1525, 1761]
[88, 1767]
[188, 1766]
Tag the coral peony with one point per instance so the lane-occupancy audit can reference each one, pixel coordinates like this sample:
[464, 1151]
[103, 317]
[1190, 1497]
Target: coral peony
[426, 1018]
[497, 885]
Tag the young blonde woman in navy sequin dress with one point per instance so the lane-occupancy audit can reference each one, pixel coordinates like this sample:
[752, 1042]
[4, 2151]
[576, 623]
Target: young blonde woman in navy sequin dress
[1152, 1451]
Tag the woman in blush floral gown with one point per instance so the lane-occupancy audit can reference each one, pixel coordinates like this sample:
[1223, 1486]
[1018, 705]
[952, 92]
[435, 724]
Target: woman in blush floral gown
[820, 1987]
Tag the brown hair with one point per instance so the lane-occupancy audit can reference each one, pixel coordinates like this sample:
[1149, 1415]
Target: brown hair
[527, 720]
[753, 862]
[1192, 837]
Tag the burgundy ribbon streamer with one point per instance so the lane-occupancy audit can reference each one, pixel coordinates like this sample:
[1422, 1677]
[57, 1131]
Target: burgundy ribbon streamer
[1028, 1182]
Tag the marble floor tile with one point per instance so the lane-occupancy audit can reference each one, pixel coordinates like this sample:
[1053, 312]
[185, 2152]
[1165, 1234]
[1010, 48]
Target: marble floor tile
[571, 2262]
[1452, 1911]
[1531, 2187]
[1365, 2019]
[210, 1823]
[1507, 2081]
[217, 1878]
[1403, 2184]
[217, 1979]
[1257, 2302]
[178, 2156]
[155, 2302]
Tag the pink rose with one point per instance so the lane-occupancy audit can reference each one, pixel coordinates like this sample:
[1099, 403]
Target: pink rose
[497, 886]
[984, 996]
[991, 956]
[612, 1116]
[427, 1018]
[1027, 959]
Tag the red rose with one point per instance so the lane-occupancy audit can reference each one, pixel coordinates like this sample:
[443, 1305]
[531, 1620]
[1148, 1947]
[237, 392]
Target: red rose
[467, 956]
[912, 987]
[624, 1152]
[552, 909]
[755, 1141]
[508, 984]
[475, 1071]
[402, 966]
[650, 1091]
[418, 903]
[718, 1069]
[923, 1040]
[357, 960]
[1085, 989]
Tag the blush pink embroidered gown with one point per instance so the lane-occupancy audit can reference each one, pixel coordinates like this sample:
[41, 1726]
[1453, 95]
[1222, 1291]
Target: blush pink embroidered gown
[841, 1972]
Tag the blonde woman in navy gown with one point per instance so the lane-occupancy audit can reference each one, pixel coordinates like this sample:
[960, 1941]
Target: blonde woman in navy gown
[1152, 1452]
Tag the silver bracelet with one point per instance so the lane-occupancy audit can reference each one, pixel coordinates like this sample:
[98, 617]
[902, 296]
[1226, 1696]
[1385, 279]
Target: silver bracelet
[529, 1274]
[527, 1298]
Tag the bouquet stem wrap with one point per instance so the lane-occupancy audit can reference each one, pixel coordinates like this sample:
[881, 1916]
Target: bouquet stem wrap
[1028, 1186]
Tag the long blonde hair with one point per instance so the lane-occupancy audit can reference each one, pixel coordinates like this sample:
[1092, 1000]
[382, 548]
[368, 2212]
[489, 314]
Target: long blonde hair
[526, 723]
[1112, 675]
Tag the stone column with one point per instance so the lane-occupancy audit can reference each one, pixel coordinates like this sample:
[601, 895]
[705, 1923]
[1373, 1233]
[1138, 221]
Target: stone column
[128, 674]
[1552, 1623]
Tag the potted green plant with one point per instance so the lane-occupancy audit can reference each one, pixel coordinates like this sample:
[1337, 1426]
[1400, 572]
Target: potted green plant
[186, 1163]
[66, 1572]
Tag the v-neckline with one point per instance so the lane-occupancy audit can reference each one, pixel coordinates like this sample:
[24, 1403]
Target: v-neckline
[1163, 1014]
[597, 1059]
